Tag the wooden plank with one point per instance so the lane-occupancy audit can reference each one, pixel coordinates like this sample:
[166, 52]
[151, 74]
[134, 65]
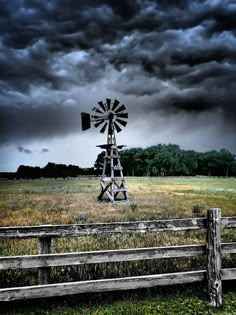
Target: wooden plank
[44, 248]
[119, 189]
[104, 190]
[60, 289]
[228, 222]
[228, 274]
[228, 248]
[21, 232]
[93, 257]
[109, 157]
[214, 257]
[117, 168]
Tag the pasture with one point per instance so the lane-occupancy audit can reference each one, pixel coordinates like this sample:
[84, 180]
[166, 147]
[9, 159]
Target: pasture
[66, 201]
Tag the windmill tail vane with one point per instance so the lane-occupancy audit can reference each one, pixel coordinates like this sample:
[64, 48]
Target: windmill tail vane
[111, 117]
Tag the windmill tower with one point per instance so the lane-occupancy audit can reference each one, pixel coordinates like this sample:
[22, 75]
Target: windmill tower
[111, 117]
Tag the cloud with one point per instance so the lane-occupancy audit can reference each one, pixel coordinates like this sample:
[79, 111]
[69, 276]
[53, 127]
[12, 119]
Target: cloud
[24, 150]
[162, 58]
[29, 122]
[44, 150]
[3, 141]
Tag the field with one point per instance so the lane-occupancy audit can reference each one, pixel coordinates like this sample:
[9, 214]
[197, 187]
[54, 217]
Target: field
[61, 201]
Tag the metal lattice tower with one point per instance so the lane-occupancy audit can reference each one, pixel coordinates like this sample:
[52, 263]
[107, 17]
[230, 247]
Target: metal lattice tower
[111, 117]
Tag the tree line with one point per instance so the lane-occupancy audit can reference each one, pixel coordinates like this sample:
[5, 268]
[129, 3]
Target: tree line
[52, 170]
[170, 160]
[158, 160]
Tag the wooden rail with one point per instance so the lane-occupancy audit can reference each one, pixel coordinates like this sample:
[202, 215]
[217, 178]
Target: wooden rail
[214, 250]
[127, 283]
[94, 257]
[70, 230]
[101, 285]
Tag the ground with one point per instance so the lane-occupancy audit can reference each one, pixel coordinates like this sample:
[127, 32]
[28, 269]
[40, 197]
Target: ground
[61, 201]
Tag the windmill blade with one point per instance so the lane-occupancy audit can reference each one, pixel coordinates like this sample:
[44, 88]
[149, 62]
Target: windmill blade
[108, 103]
[98, 123]
[104, 128]
[122, 122]
[96, 117]
[122, 115]
[118, 129]
[102, 106]
[97, 110]
[120, 109]
[115, 104]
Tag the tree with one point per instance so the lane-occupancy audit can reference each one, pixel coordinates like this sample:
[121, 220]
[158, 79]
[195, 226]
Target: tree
[166, 160]
[226, 160]
[98, 165]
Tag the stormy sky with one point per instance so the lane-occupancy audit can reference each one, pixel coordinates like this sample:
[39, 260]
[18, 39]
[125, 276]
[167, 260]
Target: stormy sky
[172, 63]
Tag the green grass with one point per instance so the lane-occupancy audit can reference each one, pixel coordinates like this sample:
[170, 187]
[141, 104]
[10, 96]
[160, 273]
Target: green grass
[51, 201]
[159, 302]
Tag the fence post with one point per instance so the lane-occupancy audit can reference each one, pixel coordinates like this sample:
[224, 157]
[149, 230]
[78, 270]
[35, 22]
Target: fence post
[44, 248]
[214, 257]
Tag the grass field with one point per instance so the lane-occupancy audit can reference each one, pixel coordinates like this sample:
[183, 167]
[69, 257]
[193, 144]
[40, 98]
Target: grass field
[61, 201]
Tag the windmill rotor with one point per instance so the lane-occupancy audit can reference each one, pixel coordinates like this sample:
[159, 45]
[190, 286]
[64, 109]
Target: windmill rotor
[106, 116]
[109, 116]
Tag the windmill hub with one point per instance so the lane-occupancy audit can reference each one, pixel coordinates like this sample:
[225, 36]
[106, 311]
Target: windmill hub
[111, 117]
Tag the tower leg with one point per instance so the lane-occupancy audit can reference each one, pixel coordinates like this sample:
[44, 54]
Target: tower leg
[112, 181]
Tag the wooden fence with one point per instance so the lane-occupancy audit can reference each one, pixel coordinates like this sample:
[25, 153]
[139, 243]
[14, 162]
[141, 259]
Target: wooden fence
[214, 249]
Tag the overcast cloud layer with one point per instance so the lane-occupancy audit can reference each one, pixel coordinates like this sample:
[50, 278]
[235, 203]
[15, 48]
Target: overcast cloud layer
[171, 62]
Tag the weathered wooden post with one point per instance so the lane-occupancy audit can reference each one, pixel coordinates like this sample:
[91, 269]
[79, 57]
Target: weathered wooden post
[44, 248]
[214, 257]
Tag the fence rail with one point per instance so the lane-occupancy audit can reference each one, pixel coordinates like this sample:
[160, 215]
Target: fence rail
[94, 257]
[214, 250]
[73, 230]
[70, 230]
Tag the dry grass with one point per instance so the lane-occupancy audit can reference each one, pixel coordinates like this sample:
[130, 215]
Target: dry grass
[71, 201]
[33, 202]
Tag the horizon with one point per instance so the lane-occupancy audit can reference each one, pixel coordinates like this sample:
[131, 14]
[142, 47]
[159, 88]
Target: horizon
[92, 166]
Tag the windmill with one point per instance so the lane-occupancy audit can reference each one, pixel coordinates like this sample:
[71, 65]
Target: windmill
[111, 117]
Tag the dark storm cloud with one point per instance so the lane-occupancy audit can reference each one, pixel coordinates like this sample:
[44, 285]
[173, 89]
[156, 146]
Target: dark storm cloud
[29, 123]
[24, 150]
[180, 55]
[20, 68]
